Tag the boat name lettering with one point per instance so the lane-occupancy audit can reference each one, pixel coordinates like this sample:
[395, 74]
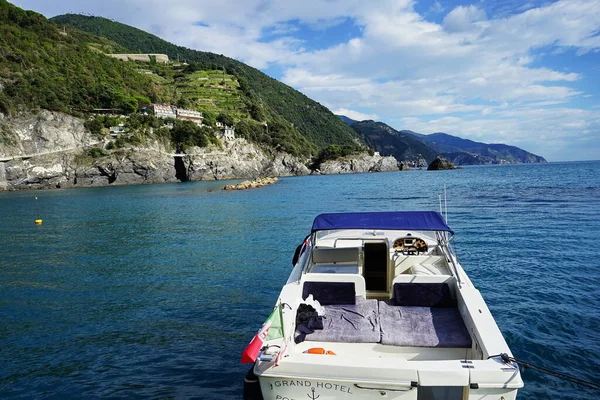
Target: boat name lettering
[334, 386]
[287, 383]
[304, 383]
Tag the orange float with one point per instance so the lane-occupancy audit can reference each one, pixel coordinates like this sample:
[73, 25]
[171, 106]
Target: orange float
[319, 350]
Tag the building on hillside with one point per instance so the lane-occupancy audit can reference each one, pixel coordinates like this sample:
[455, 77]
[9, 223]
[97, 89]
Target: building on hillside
[159, 58]
[117, 129]
[227, 133]
[190, 115]
[163, 111]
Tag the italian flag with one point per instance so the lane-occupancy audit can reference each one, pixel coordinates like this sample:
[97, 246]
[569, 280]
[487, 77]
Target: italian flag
[271, 329]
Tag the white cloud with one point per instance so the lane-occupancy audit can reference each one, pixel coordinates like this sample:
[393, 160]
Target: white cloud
[462, 18]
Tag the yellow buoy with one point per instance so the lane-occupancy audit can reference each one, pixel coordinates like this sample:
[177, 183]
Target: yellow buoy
[38, 220]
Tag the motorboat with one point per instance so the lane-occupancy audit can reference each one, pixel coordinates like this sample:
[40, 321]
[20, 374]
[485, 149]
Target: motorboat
[378, 306]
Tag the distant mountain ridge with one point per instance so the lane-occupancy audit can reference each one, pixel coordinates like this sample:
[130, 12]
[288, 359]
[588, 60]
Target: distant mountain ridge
[403, 145]
[468, 152]
[388, 141]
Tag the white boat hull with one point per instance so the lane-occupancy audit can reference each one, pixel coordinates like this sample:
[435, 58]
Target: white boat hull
[296, 389]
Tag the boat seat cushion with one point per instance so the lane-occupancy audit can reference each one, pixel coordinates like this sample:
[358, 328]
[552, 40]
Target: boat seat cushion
[423, 294]
[422, 326]
[330, 293]
[358, 323]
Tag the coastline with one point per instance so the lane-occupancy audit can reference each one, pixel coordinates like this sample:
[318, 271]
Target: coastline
[53, 150]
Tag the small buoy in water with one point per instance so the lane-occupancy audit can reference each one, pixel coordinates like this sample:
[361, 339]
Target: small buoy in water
[38, 220]
[319, 350]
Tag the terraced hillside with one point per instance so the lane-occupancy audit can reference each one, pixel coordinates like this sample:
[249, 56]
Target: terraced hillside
[213, 91]
[265, 98]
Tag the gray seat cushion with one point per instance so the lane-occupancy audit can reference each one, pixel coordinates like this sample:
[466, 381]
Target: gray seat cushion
[423, 294]
[329, 293]
[422, 326]
[354, 323]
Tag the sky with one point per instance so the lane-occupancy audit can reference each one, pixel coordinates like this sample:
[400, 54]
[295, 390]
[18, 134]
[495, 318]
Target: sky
[524, 73]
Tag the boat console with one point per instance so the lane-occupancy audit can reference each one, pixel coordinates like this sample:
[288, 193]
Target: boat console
[410, 245]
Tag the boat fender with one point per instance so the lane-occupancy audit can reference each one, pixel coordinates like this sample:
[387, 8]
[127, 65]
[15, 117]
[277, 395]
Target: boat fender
[319, 350]
[252, 386]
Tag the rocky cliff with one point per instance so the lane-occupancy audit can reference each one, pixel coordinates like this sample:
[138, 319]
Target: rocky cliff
[51, 150]
[54, 150]
[236, 159]
[359, 163]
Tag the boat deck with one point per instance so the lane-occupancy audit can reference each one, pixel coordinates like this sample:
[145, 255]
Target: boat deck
[386, 351]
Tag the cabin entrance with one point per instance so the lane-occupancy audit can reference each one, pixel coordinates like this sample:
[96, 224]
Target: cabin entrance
[375, 266]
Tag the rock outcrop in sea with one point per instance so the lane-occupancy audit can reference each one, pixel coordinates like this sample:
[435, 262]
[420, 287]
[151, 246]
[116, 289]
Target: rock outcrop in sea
[440, 164]
[256, 183]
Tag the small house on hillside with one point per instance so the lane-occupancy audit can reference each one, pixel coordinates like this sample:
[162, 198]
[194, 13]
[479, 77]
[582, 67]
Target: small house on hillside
[190, 115]
[226, 133]
[115, 131]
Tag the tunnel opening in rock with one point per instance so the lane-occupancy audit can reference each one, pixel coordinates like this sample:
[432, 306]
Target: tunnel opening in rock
[108, 173]
[180, 170]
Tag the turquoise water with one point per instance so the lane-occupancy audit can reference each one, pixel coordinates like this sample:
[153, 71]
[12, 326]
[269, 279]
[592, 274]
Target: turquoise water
[154, 291]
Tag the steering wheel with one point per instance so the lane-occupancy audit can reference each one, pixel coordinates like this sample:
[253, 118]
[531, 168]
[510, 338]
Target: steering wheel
[417, 246]
[410, 250]
[420, 246]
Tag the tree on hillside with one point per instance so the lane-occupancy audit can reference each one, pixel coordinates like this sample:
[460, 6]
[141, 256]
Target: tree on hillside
[187, 133]
[209, 117]
[225, 119]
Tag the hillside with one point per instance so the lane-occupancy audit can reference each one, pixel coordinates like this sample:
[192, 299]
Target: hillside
[265, 98]
[388, 141]
[45, 67]
[347, 120]
[454, 148]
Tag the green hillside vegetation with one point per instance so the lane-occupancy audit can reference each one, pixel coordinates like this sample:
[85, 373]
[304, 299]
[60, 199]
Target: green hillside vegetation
[59, 68]
[212, 92]
[42, 66]
[265, 98]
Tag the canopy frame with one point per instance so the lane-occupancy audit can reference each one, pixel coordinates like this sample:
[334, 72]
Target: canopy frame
[395, 220]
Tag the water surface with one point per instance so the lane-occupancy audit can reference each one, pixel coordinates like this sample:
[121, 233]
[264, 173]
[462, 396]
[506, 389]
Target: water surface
[154, 291]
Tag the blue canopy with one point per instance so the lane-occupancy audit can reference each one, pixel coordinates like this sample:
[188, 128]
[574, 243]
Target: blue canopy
[399, 220]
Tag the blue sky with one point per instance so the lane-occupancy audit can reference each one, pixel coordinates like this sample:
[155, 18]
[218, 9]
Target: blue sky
[502, 71]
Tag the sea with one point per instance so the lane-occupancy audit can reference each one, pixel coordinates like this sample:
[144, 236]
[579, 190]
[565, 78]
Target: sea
[153, 292]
